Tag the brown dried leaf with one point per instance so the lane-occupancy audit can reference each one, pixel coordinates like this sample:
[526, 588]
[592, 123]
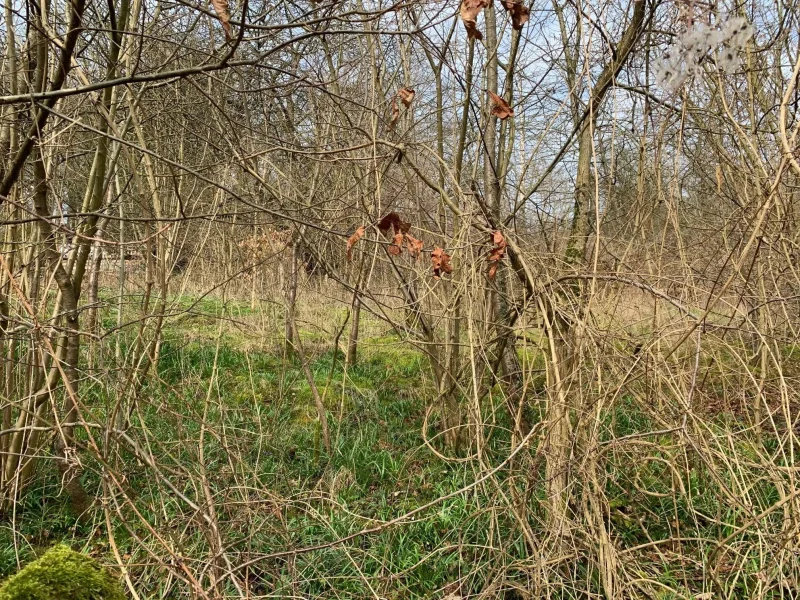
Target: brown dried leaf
[496, 253]
[406, 96]
[440, 261]
[394, 222]
[469, 15]
[472, 30]
[396, 247]
[493, 270]
[395, 113]
[222, 8]
[518, 11]
[501, 109]
[351, 241]
[414, 245]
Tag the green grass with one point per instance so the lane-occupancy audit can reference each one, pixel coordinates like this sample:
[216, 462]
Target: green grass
[378, 469]
[276, 488]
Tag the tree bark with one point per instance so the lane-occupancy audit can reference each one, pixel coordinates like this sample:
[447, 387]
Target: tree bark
[352, 341]
[571, 430]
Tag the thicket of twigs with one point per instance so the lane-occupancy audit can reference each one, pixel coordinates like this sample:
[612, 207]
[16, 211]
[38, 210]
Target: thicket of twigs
[578, 219]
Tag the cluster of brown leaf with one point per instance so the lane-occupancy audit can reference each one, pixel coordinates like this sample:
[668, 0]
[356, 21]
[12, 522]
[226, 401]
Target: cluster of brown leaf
[253, 247]
[496, 253]
[440, 260]
[401, 235]
[470, 9]
[406, 96]
[400, 230]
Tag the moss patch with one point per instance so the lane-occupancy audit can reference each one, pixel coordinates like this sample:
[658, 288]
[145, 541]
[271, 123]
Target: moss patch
[64, 574]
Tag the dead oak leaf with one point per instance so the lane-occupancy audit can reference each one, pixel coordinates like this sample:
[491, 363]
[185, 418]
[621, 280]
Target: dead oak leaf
[396, 247]
[414, 245]
[393, 221]
[395, 113]
[223, 10]
[520, 14]
[406, 96]
[501, 109]
[440, 261]
[469, 11]
[496, 253]
[472, 30]
[353, 239]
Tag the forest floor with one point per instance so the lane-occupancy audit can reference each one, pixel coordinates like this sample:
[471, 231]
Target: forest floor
[379, 467]
[231, 419]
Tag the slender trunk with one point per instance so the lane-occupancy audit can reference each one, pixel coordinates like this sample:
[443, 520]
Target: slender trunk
[121, 287]
[462, 133]
[98, 182]
[453, 416]
[70, 340]
[8, 141]
[491, 183]
[584, 194]
[92, 321]
[64, 351]
[291, 336]
[500, 315]
[567, 442]
[355, 319]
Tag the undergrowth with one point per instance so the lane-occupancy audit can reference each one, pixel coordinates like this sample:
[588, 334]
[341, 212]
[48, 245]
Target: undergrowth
[276, 490]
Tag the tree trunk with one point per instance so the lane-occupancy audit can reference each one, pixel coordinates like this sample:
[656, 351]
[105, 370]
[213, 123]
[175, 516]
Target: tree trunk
[70, 341]
[289, 284]
[572, 430]
[352, 342]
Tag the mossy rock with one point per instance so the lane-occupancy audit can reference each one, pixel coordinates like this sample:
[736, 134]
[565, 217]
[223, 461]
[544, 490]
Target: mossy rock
[62, 574]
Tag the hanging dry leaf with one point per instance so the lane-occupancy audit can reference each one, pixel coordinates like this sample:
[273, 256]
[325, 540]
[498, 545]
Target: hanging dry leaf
[222, 8]
[394, 222]
[518, 11]
[501, 109]
[414, 245]
[472, 30]
[351, 241]
[395, 113]
[396, 247]
[406, 96]
[440, 261]
[470, 9]
[496, 253]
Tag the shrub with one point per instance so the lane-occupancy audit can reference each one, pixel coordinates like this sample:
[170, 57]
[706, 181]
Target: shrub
[62, 574]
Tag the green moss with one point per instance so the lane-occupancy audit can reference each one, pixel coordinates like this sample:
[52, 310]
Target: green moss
[62, 574]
